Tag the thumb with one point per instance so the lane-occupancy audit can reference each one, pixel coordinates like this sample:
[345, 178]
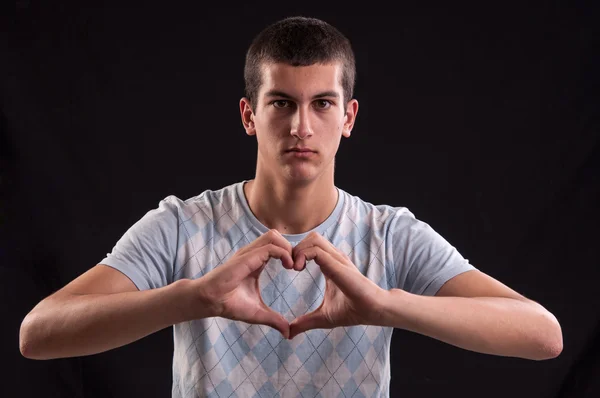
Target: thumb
[312, 320]
[266, 316]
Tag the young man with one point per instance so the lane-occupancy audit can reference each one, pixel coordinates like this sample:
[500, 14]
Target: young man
[287, 284]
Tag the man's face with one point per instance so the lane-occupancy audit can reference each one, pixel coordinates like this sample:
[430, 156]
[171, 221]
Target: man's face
[299, 109]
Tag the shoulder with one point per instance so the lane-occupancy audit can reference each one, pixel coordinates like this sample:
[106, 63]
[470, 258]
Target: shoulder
[383, 215]
[206, 204]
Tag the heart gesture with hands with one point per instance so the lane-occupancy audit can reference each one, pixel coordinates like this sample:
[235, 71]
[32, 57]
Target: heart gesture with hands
[232, 289]
[350, 297]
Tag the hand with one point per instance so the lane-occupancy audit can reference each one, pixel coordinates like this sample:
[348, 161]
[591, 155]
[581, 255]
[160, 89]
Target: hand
[350, 297]
[231, 290]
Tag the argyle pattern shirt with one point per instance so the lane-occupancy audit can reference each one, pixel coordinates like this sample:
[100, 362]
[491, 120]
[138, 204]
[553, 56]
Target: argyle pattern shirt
[218, 357]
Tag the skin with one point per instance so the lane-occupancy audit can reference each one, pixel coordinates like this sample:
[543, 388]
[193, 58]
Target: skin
[290, 194]
[297, 106]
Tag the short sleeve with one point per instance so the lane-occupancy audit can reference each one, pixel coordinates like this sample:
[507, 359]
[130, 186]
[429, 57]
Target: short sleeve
[424, 260]
[147, 251]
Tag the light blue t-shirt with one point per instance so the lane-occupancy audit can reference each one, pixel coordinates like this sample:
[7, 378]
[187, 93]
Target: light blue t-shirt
[217, 357]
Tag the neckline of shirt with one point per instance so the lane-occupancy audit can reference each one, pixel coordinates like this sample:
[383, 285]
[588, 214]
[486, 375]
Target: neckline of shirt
[321, 228]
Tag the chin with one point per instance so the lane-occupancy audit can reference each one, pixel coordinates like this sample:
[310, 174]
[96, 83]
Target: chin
[304, 178]
[300, 175]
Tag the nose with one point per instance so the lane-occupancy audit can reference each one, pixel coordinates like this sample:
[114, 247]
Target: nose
[301, 124]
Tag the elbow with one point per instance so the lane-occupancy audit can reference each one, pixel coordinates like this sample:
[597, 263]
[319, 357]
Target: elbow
[24, 347]
[552, 340]
[556, 351]
[24, 338]
[554, 347]
[550, 351]
[27, 338]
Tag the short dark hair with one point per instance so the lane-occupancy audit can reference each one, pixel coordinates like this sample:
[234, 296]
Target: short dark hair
[298, 41]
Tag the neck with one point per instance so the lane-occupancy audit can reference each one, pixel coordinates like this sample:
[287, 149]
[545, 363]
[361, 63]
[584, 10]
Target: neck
[291, 209]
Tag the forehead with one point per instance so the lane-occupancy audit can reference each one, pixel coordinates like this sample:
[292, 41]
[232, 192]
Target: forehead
[302, 81]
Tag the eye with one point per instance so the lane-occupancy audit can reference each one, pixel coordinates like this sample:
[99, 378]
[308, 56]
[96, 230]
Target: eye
[280, 104]
[323, 104]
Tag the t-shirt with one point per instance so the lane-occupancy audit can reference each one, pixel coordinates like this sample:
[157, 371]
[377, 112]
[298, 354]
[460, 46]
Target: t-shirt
[218, 357]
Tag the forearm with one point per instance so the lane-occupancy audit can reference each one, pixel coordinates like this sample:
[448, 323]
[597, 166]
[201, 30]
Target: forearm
[491, 325]
[75, 325]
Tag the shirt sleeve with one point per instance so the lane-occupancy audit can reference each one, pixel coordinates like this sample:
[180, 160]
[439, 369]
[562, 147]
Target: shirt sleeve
[146, 253]
[424, 260]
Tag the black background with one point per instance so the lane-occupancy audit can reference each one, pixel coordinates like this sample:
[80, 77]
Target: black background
[482, 121]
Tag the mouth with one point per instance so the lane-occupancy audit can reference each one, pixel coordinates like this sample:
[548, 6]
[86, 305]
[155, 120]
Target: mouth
[300, 153]
[301, 150]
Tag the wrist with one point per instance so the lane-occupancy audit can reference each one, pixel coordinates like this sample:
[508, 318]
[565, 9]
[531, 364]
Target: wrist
[392, 305]
[192, 300]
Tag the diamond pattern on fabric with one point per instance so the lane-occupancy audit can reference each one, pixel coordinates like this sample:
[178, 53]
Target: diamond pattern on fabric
[218, 357]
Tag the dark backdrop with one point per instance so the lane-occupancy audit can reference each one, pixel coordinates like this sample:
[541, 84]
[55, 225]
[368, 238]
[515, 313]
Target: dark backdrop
[482, 121]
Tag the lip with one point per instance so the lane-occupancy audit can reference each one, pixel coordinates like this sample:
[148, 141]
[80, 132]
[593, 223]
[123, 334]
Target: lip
[301, 153]
[300, 150]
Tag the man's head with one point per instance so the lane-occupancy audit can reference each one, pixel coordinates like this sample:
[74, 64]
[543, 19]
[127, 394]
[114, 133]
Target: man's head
[299, 83]
[298, 41]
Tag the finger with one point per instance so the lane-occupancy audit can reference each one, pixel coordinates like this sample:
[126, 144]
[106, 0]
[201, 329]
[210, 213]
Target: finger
[299, 262]
[325, 260]
[264, 253]
[272, 236]
[308, 241]
[301, 259]
[266, 316]
[306, 322]
[316, 239]
[275, 237]
[348, 280]
[238, 269]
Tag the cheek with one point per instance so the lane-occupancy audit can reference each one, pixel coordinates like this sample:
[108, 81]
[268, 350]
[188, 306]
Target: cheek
[339, 122]
[272, 126]
[268, 133]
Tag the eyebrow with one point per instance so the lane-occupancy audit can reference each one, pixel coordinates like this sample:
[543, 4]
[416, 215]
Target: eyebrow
[277, 93]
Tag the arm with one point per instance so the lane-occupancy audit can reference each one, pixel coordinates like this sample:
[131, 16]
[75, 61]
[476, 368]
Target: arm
[100, 310]
[476, 312]
[471, 311]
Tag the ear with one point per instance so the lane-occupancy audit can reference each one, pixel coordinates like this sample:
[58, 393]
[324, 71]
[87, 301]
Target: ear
[247, 116]
[350, 117]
